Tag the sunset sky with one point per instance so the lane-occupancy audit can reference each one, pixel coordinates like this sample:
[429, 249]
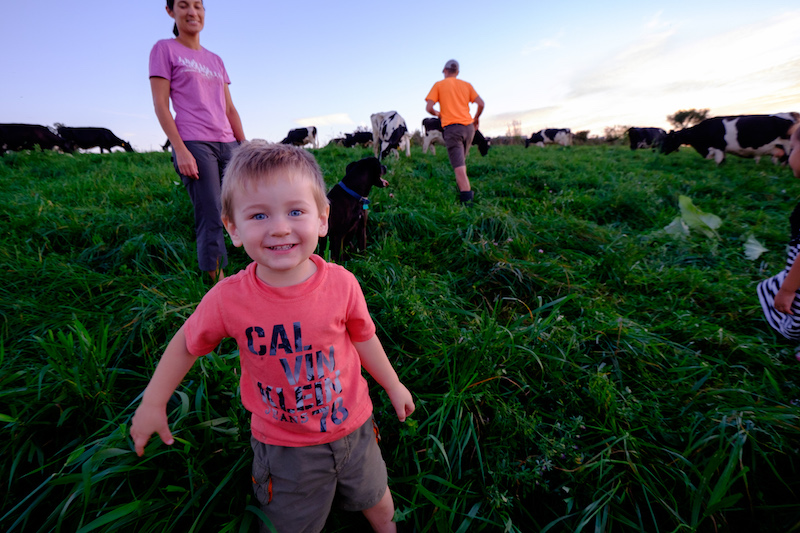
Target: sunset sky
[585, 66]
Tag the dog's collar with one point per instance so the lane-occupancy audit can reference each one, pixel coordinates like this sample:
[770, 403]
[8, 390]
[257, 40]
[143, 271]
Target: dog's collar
[363, 199]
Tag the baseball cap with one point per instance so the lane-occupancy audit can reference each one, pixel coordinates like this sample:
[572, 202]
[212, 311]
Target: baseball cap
[451, 65]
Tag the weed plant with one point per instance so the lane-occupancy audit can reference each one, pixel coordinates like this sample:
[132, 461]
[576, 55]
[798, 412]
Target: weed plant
[575, 368]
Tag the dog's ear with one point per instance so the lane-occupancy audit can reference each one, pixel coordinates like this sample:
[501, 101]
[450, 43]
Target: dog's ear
[349, 167]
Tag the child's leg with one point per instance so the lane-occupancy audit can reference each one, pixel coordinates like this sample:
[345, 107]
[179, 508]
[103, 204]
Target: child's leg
[380, 515]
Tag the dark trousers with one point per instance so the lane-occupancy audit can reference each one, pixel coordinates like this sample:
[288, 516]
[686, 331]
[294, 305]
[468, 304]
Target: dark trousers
[204, 192]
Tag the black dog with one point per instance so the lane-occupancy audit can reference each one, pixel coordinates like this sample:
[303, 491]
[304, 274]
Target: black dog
[349, 206]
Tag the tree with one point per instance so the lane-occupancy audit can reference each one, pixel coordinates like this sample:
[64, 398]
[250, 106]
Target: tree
[581, 137]
[616, 133]
[514, 129]
[687, 117]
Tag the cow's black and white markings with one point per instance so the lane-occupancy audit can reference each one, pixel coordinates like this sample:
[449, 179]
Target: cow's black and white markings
[562, 136]
[361, 138]
[742, 135]
[646, 137]
[389, 132]
[302, 137]
[432, 134]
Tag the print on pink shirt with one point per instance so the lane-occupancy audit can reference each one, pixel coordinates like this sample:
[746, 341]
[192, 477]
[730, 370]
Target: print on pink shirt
[320, 384]
[203, 70]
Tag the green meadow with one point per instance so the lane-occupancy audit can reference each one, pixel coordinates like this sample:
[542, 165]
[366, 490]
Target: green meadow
[575, 367]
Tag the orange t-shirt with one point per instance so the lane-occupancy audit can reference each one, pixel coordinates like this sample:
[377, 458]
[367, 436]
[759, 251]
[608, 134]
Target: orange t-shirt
[454, 97]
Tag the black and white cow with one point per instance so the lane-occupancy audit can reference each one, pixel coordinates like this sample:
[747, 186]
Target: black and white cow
[17, 137]
[389, 132]
[646, 137]
[93, 137]
[562, 136]
[742, 135]
[433, 133]
[362, 138]
[302, 136]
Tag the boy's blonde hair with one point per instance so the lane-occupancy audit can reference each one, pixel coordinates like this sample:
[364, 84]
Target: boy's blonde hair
[257, 161]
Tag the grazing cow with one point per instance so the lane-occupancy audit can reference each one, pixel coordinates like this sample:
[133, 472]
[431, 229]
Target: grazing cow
[562, 136]
[743, 135]
[349, 206]
[17, 137]
[389, 132]
[363, 138]
[646, 137]
[302, 136]
[433, 133]
[90, 137]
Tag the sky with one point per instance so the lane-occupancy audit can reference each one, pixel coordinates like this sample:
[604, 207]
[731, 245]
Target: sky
[580, 65]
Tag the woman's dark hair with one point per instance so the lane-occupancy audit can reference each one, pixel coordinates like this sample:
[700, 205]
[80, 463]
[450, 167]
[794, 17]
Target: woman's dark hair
[171, 6]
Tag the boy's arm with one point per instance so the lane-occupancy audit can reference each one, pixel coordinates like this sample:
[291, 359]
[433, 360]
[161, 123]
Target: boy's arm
[786, 294]
[374, 360]
[151, 416]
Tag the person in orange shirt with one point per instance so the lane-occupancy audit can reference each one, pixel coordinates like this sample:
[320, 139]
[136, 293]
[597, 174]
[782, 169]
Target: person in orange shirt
[454, 97]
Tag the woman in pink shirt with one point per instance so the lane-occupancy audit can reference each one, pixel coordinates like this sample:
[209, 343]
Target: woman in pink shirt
[206, 126]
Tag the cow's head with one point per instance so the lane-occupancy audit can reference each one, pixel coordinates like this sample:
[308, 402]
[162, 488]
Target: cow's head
[127, 146]
[535, 139]
[67, 146]
[671, 143]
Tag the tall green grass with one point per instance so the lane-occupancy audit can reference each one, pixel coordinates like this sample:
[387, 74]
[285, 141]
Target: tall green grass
[574, 367]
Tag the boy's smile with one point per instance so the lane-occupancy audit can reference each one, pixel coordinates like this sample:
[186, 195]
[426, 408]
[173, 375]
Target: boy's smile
[279, 224]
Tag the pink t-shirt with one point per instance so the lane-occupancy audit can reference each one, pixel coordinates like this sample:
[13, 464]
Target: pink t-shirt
[301, 375]
[197, 80]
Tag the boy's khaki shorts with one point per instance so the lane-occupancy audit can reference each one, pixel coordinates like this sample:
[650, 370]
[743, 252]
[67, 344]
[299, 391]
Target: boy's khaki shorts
[296, 486]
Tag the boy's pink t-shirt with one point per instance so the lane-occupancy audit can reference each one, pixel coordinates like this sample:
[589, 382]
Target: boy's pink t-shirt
[197, 80]
[301, 374]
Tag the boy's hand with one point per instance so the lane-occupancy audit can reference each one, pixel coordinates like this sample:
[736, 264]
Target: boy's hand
[146, 421]
[401, 401]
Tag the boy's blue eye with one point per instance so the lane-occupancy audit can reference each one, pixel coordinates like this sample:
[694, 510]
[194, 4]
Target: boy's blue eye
[295, 213]
[260, 216]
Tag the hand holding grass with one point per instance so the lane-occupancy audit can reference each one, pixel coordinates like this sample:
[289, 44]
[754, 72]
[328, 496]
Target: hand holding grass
[147, 420]
[375, 361]
[401, 401]
[151, 416]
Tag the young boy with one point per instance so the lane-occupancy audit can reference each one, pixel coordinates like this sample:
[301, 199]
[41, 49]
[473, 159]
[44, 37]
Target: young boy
[304, 333]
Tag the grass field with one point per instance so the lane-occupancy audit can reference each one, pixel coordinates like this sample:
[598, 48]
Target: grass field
[575, 367]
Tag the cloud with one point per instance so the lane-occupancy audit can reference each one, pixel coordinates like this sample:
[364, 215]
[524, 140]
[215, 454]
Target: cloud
[543, 44]
[655, 22]
[326, 120]
[667, 66]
